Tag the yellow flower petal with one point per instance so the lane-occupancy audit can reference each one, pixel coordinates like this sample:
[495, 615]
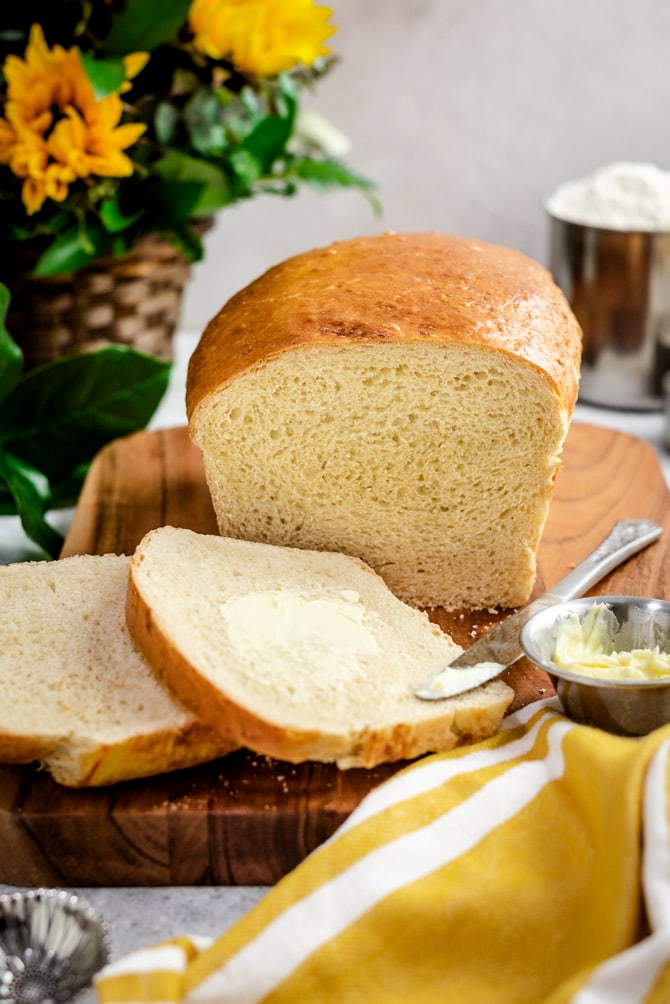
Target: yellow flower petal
[127, 135]
[107, 113]
[261, 37]
[7, 141]
[28, 160]
[38, 50]
[33, 194]
[134, 62]
[56, 182]
[55, 130]
[112, 164]
[67, 144]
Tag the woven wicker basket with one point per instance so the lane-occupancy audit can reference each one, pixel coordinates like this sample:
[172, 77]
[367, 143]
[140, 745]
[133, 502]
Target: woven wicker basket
[134, 300]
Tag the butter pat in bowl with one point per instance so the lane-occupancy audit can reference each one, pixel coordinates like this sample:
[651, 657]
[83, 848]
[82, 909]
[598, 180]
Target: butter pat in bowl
[609, 659]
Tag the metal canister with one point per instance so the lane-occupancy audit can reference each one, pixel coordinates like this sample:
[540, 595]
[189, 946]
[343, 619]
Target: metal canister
[618, 285]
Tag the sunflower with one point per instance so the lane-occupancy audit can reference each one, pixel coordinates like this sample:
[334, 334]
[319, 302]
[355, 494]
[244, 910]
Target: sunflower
[261, 37]
[55, 131]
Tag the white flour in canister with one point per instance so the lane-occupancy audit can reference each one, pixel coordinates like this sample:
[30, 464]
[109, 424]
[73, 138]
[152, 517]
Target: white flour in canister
[622, 196]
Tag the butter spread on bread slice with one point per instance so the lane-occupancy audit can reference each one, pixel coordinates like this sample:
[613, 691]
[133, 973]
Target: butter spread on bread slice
[300, 655]
[402, 398]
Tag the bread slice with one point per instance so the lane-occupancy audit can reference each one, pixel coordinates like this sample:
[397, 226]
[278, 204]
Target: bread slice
[75, 692]
[300, 655]
[402, 398]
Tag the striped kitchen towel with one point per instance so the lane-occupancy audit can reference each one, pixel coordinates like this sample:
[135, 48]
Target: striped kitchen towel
[532, 867]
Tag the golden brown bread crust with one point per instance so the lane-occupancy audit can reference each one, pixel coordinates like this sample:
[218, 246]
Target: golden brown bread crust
[242, 727]
[107, 763]
[16, 748]
[394, 288]
[140, 756]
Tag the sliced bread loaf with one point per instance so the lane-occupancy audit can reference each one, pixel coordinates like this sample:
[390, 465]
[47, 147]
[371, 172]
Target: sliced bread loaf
[75, 692]
[403, 398]
[297, 654]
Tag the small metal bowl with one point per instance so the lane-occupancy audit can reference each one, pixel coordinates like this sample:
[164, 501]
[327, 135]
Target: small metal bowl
[625, 707]
[51, 946]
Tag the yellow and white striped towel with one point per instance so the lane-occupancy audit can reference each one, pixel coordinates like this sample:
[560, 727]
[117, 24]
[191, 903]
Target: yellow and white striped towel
[533, 867]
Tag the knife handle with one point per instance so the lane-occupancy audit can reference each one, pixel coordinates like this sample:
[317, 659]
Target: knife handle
[501, 647]
[626, 538]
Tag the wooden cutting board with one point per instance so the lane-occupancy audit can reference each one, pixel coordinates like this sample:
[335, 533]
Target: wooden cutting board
[247, 819]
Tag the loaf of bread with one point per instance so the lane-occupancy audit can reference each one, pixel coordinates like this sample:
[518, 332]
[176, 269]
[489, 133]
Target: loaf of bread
[300, 655]
[402, 398]
[75, 692]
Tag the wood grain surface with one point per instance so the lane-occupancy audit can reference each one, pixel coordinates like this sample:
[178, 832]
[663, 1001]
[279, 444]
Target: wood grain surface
[247, 819]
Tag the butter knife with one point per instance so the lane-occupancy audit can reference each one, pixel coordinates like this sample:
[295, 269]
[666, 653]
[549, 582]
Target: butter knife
[500, 647]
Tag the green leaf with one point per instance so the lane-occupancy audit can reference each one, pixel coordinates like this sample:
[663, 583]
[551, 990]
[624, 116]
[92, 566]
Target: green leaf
[173, 202]
[165, 122]
[267, 141]
[105, 75]
[12, 231]
[11, 356]
[328, 173]
[145, 24]
[113, 219]
[67, 491]
[71, 250]
[287, 96]
[203, 116]
[246, 167]
[61, 414]
[214, 185]
[189, 243]
[31, 492]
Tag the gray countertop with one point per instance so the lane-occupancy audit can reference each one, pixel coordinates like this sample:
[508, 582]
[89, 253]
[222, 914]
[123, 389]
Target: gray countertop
[142, 916]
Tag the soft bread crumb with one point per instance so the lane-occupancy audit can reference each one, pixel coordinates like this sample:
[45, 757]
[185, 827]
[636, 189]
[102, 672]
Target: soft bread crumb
[353, 704]
[404, 400]
[74, 690]
[433, 464]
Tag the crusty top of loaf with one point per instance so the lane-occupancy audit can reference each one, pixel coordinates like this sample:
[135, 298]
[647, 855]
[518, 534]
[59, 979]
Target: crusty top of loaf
[400, 288]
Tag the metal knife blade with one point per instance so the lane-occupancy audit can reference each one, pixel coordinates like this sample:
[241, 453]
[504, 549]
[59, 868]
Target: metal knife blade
[500, 647]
